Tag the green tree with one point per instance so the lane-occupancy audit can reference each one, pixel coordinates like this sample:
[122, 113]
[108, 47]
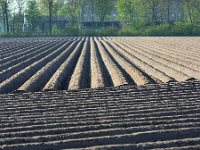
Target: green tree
[18, 16]
[32, 15]
[103, 8]
[1, 15]
[126, 10]
[193, 10]
[152, 9]
[47, 5]
[73, 12]
[90, 9]
[5, 13]
[130, 12]
[56, 7]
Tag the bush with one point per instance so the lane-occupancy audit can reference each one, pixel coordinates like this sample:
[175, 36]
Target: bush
[177, 29]
[181, 29]
[67, 31]
[104, 31]
[157, 30]
[196, 31]
[72, 31]
[129, 31]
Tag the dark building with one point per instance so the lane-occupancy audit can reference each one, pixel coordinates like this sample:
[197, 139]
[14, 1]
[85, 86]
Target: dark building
[59, 22]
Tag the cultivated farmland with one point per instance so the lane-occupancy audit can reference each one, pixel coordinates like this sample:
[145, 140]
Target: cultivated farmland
[35, 64]
[154, 116]
[57, 93]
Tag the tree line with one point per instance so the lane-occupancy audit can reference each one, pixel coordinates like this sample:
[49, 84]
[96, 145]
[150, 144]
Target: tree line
[137, 14]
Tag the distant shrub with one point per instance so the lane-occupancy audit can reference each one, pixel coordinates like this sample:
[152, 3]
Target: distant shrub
[176, 29]
[104, 31]
[108, 31]
[72, 31]
[129, 31]
[156, 30]
[196, 31]
[6, 35]
[181, 29]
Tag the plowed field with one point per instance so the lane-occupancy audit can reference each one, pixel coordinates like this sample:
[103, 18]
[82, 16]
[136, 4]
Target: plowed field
[57, 93]
[165, 116]
[38, 64]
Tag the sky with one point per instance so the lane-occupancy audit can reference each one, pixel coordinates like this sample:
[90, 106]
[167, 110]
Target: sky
[13, 6]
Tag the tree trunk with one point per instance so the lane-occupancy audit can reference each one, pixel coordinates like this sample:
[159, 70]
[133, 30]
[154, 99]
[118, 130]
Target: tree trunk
[168, 11]
[56, 24]
[189, 12]
[6, 17]
[153, 12]
[50, 16]
[4, 22]
[14, 24]
[153, 15]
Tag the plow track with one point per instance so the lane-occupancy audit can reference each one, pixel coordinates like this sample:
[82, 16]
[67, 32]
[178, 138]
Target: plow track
[164, 116]
[35, 64]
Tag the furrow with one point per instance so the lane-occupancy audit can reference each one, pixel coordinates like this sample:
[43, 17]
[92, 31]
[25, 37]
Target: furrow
[172, 72]
[61, 77]
[127, 136]
[39, 80]
[22, 76]
[151, 70]
[81, 75]
[20, 58]
[16, 68]
[62, 133]
[136, 74]
[164, 60]
[116, 75]
[97, 79]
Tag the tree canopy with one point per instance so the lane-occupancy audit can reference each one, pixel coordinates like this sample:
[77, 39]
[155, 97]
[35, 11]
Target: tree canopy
[130, 13]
